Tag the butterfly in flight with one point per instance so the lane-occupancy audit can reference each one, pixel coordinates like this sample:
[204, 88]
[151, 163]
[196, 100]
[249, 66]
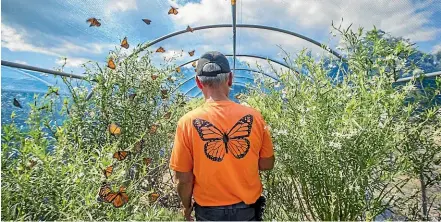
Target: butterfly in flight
[93, 22]
[189, 29]
[160, 49]
[178, 69]
[173, 10]
[108, 171]
[16, 103]
[111, 64]
[124, 43]
[219, 143]
[194, 64]
[191, 53]
[120, 155]
[147, 21]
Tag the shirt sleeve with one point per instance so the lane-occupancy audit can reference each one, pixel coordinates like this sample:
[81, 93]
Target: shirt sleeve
[181, 159]
[267, 149]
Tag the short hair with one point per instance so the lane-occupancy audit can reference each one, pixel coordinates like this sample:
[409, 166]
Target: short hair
[213, 81]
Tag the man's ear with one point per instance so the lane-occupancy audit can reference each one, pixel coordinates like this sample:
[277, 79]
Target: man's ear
[198, 83]
[230, 79]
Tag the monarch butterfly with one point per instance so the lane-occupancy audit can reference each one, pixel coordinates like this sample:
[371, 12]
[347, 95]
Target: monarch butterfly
[160, 49]
[108, 171]
[154, 128]
[218, 143]
[111, 64]
[132, 96]
[189, 29]
[31, 163]
[167, 115]
[194, 64]
[16, 103]
[164, 91]
[120, 155]
[104, 191]
[178, 69]
[117, 199]
[147, 161]
[147, 21]
[164, 94]
[173, 10]
[191, 53]
[139, 145]
[93, 22]
[154, 76]
[153, 197]
[114, 129]
[124, 43]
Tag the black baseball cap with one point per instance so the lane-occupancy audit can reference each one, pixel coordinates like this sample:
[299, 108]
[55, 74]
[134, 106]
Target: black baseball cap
[216, 58]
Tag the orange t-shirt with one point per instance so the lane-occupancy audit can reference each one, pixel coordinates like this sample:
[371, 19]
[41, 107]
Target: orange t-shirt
[221, 142]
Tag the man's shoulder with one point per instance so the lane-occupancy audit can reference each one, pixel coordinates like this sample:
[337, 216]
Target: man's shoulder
[189, 116]
[249, 110]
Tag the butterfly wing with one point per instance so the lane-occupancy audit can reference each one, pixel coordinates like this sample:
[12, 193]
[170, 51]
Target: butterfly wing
[104, 192]
[147, 21]
[214, 147]
[108, 171]
[16, 103]
[111, 64]
[147, 161]
[160, 49]
[194, 64]
[120, 155]
[114, 129]
[124, 43]
[189, 29]
[238, 144]
[178, 69]
[173, 11]
[153, 197]
[191, 53]
[121, 198]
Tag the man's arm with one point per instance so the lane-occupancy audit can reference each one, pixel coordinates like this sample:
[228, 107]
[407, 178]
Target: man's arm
[184, 182]
[266, 163]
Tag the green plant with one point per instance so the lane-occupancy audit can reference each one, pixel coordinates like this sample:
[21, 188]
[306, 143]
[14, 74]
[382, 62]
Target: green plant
[62, 183]
[337, 138]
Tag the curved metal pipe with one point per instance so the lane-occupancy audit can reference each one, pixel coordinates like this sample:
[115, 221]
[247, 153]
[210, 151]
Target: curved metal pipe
[233, 12]
[38, 69]
[240, 26]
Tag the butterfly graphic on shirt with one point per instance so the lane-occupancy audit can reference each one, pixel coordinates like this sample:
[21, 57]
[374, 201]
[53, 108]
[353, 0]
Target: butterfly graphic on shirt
[219, 143]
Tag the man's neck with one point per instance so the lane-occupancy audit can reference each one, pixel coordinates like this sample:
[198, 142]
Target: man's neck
[216, 97]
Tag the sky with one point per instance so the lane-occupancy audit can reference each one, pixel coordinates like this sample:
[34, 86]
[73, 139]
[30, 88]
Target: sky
[40, 34]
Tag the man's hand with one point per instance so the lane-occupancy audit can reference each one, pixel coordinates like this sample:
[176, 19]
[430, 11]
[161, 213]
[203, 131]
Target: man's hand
[187, 213]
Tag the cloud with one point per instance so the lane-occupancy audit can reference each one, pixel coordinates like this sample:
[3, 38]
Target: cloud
[405, 18]
[14, 40]
[436, 48]
[120, 6]
[19, 40]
